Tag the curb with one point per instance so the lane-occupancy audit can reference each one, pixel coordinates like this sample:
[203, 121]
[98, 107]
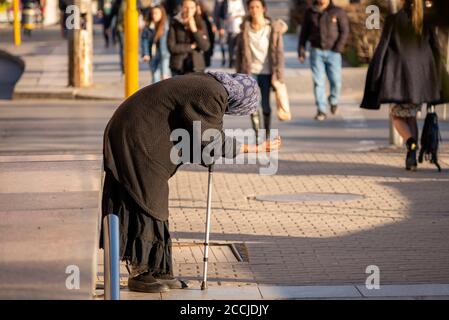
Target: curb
[71, 95]
[312, 292]
[24, 95]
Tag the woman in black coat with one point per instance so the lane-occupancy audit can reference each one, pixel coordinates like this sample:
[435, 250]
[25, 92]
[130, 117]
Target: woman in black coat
[406, 71]
[187, 40]
[140, 158]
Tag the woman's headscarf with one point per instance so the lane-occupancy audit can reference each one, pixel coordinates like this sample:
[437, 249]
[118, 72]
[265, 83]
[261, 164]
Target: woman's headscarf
[243, 91]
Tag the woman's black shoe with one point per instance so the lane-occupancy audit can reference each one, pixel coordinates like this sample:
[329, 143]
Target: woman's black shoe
[146, 283]
[171, 282]
[410, 160]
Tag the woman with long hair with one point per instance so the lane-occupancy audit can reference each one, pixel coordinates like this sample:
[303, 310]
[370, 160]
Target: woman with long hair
[260, 52]
[406, 71]
[187, 40]
[154, 43]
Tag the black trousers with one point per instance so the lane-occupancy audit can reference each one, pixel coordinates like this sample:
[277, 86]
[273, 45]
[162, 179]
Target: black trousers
[232, 42]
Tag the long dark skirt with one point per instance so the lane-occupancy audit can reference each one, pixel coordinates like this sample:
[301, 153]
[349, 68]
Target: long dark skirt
[145, 242]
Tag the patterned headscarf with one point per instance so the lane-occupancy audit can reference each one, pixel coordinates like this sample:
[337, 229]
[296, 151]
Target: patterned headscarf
[243, 91]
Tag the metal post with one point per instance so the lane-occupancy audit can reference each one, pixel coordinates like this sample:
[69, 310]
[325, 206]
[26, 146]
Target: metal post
[17, 39]
[395, 138]
[206, 240]
[111, 257]
[131, 53]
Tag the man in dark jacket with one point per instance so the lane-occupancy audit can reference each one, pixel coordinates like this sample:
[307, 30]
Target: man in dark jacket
[326, 26]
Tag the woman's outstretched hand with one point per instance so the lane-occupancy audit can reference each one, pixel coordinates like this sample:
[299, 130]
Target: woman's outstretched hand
[269, 145]
[266, 146]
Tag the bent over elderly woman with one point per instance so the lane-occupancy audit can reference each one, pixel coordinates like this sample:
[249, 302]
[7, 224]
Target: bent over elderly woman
[137, 149]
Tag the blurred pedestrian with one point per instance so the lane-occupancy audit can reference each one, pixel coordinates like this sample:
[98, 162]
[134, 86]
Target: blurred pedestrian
[41, 13]
[187, 40]
[154, 43]
[31, 11]
[104, 13]
[260, 53]
[116, 22]
[138, 162]
[144, 8]
[406, 71]
[172, 7]
[235, 13]
[326, 27]
[62, 4]
[208, 19]
[219, 18]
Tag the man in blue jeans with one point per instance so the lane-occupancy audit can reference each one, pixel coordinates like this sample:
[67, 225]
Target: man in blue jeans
[326, 27]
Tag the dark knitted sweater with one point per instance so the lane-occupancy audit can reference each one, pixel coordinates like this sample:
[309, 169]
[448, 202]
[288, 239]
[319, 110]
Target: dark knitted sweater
[137, 142]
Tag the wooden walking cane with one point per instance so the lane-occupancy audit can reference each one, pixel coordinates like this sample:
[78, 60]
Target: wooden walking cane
[208, 214]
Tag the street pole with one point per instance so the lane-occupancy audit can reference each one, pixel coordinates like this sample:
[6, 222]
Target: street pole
[17, 39]
[395, 138]
[80, 43]
[131, 53]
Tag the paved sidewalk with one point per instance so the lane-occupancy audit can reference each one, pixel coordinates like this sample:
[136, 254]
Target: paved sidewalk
[51, 157]
[49, 185]
[275, 292]
[48, 223]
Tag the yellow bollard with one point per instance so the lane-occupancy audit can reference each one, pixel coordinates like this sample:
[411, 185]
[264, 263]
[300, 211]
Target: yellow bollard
[17, 39]
[131, 54]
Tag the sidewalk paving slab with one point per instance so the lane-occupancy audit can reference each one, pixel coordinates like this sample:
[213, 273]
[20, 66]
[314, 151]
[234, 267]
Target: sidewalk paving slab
[308, 292]
[263, 292]
[417, 290]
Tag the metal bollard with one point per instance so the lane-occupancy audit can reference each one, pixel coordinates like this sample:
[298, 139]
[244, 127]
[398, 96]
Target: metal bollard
[111, 257]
